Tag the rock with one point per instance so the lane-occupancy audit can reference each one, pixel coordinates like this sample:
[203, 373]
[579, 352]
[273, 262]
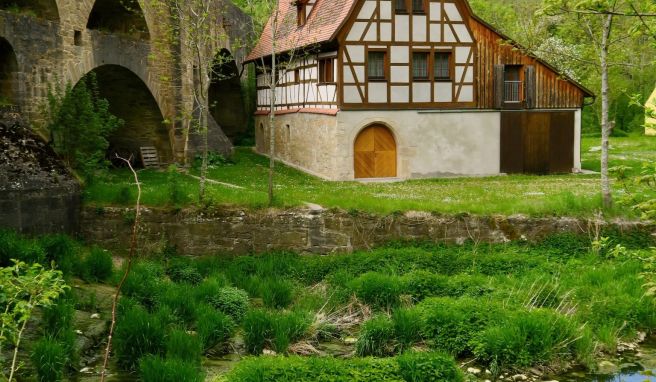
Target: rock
[95, 316]
[350, 340]
[607, 367]
[473, 370]
[79, 332]
[519, 377]
[269, 352]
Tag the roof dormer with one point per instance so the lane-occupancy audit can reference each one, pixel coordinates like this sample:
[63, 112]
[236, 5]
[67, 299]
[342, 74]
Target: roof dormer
[301, 12]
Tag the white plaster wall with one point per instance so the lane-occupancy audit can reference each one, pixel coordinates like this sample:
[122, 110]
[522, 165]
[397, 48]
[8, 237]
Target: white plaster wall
[577, 140]
[428, 144]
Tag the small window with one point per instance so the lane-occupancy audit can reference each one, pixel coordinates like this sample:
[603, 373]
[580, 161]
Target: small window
[297, 76]
[418, 6]
[400, 6]
[376, 65]
[301, 12]
[77, 38]
[420, 66]
[442, 66]
[326, 71]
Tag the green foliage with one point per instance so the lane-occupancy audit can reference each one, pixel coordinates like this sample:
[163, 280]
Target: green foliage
[13, 246]
[183, 272]
[156, 369]
[49, 359]
[97, 265]
[183, 347]
[276, 329]
[60, 249]
[177, 298]
[177, 195]
[407, 327]
[231, 301]
[138, 333]
[213, 328]
[429, 367]
[276, 293]
[80, 123]
[258, 328]
[376, 336]
[144, 283]
[381, 291]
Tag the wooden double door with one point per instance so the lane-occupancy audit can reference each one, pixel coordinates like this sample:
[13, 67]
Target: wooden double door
[375, 153]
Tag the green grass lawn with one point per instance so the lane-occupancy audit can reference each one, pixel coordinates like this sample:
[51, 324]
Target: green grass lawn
[630, 151]
[532, 195]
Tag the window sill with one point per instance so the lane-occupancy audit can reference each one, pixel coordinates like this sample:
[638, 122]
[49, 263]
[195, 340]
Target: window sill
[377, 79]
[443, 80]
[421, 80]
[326, 83]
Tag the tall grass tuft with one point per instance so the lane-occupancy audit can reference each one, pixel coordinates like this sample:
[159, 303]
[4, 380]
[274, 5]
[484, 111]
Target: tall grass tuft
[277, 293]
[97, 265]
[288, 328]
[49, 359]
[178, 298]
[144, 284]
[379, 290]
[60, 249]
[407, 327]
[258, 327]
[376, 337]
[183, 346]
[429, 367]
[156, 369]
[213, 327]
[138, 333]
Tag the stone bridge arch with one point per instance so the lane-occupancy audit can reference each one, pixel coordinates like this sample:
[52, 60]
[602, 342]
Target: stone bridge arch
[45, 9]
[131, 100]
[8, 73]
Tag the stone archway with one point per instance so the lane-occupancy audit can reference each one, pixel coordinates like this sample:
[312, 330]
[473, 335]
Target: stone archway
[122, 17]
[130, 99]
[8, 73]
[45, 9]
[225, 98]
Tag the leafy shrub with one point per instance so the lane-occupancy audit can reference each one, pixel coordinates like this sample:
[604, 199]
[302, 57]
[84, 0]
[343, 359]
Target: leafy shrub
[451, 324]
[422, 284]
[213, 327]
[183, 347]
[13, 246]
[182, 272]
[49, 360]
[277, 293]
[62, 250]
[379, 290]
[97, 265]
[156, 369]
[407, 327]
[231, 301]
[376, 336]
[258, 327]
[310, 369]
[429, 367]
[137, 334]
[525, 338]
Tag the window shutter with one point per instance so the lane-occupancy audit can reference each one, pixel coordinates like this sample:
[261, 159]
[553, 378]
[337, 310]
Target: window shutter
[498, 86]
[530, 87]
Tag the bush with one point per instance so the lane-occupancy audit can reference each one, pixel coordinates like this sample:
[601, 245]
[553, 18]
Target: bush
[213, 327]
[277, 293]
[137, 334]
[183, 347]
[12, 246]
[451, 324]
[376, 337]
[178, 298]
[144, 283]
[258, 327]
[378, 290]
[231, 301]
[97, 265]
[155, 369]
[429, 367]
[62, 250]
[183, 272]
[526, 338]
[407, 327]
[49, 360]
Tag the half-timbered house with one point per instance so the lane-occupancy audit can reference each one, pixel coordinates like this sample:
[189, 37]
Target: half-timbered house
[411, 89]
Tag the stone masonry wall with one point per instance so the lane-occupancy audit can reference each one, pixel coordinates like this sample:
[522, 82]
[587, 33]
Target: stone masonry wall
[240, 231]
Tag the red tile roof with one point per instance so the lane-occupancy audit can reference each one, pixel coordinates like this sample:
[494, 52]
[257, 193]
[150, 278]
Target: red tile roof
[321, 26]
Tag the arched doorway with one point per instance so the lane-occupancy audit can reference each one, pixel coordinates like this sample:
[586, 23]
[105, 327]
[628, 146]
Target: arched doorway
[225, 97]
[8, 71]
[45, 9]
[130, 99]
[124, 17]
[375, 153]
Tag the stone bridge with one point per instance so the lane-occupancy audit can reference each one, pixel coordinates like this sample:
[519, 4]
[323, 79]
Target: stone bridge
[140, 68]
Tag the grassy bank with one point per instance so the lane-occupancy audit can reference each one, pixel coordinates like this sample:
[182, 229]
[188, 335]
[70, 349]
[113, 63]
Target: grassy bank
[631, 151]
[394, 309]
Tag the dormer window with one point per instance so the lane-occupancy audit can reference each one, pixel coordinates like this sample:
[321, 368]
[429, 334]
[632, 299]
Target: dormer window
[301, 12]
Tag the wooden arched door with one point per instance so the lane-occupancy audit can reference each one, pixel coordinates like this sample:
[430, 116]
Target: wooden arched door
[375, 153]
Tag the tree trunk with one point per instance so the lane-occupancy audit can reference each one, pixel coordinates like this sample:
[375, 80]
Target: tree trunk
[605, 123]
[203, 120]
[272, 111]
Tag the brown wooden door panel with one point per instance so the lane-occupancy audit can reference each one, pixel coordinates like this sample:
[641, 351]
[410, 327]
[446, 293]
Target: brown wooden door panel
[512, 152]
[561, 143]
[536, 142]
[375, 153]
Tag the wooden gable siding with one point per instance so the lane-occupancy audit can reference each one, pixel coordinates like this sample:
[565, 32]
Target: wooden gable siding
[552, 90]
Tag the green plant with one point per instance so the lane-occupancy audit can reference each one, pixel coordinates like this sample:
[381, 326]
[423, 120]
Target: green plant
[288, 328]
[429, 367]
[258, 327]
[213, 328]
[176, 192]
[231, 301]
[97, 265]
[137, 334]
[80, 122]
[381, 291]
[144, 283]
[25, 287]
[49, 359]
[184, 272]
[177, 298]
[277, 293]
[13, 246]
[376, 337]
[183, 347]
[61, 250]
[407, 327]
[124, 196]
[156, 369]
